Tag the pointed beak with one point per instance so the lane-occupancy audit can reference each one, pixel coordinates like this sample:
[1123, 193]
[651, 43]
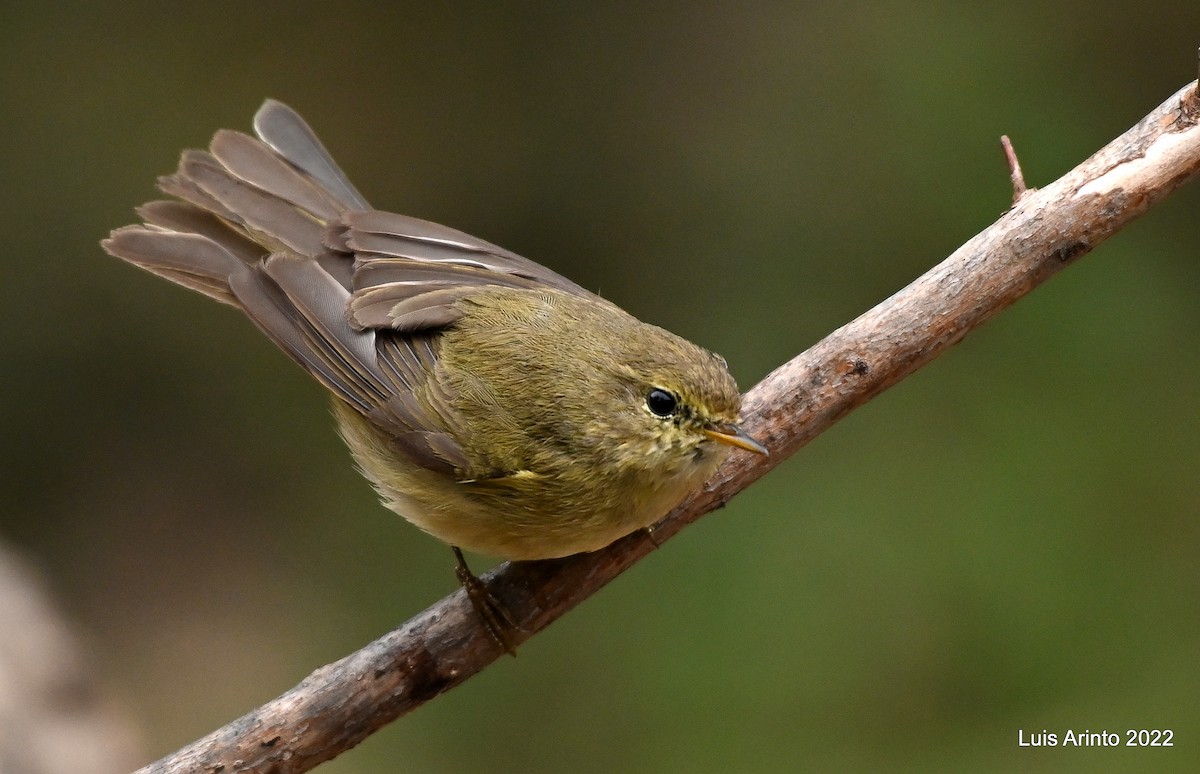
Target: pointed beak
[734, 436]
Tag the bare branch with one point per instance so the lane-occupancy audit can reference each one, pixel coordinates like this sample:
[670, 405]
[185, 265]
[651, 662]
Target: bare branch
[1046, 230]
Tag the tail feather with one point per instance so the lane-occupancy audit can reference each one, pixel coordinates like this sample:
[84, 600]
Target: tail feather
[249, 233]
[185, 188]
[192, 260]
[285, 132]
[255, 163]
[189, 219]
[271, 221]
[358, 298]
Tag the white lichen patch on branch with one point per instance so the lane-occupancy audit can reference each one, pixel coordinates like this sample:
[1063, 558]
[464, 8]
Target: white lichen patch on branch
[1164, 158]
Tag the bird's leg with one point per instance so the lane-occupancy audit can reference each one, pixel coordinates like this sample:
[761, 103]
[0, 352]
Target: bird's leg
[496, 618]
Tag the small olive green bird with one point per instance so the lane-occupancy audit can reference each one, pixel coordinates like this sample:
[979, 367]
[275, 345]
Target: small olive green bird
[495, 404]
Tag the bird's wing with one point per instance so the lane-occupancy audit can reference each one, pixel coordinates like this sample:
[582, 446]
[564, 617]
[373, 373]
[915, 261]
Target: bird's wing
[408, 273]
[358, 297]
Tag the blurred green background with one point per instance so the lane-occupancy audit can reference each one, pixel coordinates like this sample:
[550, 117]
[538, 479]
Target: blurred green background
[1007, 541]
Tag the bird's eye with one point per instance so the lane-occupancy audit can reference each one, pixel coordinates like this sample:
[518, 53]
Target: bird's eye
[661, 403]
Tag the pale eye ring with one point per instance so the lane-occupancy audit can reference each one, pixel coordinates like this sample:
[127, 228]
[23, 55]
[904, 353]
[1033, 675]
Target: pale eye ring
[661, 403]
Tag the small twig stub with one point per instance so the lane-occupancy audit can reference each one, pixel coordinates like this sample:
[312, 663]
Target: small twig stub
[1014, 170]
